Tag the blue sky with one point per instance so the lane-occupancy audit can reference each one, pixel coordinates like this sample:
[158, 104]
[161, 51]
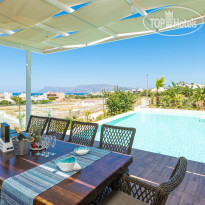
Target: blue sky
[123, 63]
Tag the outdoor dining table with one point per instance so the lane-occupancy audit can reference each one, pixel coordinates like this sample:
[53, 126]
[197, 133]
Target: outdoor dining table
[79, 188]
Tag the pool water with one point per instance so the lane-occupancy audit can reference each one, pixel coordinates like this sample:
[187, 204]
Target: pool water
[172, 135]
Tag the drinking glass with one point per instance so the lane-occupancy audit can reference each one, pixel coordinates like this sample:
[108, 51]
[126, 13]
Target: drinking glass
[53, 143]
[44, 144]
[48, 143]
[38, 144]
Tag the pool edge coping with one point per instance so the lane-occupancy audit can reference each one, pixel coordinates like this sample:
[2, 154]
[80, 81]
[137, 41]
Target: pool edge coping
[153, 110]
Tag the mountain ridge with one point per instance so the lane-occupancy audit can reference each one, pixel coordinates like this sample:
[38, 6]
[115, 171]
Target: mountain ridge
[82, 88]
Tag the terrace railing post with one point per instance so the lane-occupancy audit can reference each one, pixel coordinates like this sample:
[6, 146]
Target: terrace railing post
[28, 86]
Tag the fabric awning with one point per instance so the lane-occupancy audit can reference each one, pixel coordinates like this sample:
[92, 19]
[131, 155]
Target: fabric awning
[46, 26]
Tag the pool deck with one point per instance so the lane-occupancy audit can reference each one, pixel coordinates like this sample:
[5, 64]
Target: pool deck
[155, 168]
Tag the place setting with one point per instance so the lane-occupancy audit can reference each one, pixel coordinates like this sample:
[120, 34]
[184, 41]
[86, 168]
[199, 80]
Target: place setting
[43, 143]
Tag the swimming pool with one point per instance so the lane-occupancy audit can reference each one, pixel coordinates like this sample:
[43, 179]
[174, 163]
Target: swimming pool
[173, 135]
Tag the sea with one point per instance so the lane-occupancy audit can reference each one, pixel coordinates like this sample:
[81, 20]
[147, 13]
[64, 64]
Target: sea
[34, 94]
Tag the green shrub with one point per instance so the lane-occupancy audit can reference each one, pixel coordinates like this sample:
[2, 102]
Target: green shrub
[120, 102]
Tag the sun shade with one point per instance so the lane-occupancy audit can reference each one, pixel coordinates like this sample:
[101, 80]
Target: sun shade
[47, 26]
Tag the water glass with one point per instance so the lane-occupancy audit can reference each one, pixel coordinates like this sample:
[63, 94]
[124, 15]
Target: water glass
[38, 143]
[48, 143]
[53, 143]
[45, 145]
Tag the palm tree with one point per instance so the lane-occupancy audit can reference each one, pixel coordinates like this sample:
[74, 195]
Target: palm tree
[159, 84]
[188, 92]
[199, 92]
[173, 92]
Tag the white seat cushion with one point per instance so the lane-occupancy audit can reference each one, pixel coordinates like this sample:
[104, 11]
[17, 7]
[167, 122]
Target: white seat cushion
[120, 198]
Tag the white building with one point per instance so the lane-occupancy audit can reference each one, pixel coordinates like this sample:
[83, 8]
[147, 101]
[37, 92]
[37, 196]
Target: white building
[59, 96]
[194, 86]
[23, 96]
[161, 89]
[97, 93]
[37, 98]
[6, 96]
[88, 103]
[140, 90]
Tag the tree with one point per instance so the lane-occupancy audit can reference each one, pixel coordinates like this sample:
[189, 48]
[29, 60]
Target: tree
[173, 92]
[87, 114]
[20, 118]
[5, 102]
[51, 98]
[18, 100]
[120, 102]
[198, 96]
[159, 84]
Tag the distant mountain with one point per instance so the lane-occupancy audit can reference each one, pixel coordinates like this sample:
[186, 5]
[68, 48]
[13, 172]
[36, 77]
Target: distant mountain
[81, 88]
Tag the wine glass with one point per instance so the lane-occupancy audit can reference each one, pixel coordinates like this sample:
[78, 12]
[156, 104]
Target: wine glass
[44, 145]
[38, 143]
[48, 143]
[53, 143]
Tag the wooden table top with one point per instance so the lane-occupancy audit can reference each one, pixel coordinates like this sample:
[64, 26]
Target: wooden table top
[81, 187]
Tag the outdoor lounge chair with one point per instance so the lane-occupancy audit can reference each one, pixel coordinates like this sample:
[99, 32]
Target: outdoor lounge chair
[134, 192]
[57, 127]
[83, 133]
[117, 139]
[37, 121]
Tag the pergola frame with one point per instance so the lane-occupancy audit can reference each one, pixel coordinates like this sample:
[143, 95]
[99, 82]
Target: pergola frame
[28, 86]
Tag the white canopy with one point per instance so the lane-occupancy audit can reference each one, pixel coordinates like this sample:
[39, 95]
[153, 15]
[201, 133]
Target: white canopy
[38, 26]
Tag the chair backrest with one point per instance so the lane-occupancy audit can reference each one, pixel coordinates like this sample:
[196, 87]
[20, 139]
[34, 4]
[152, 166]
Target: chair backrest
[83, 133]
[57, 127]
[117, 139]
[174, 181]
[37, 121]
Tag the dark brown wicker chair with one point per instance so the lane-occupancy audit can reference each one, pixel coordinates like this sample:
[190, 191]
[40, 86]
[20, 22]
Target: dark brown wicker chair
[38, 121]
[83, 133]
[57, 127]
[117, 139]
[132, 191]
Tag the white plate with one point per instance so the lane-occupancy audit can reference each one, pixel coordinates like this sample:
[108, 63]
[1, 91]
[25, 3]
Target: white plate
[36, 149]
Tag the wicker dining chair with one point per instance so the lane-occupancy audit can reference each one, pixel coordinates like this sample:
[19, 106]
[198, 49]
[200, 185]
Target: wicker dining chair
[37, 121]
[134, 192]
[83, 133]
[57, 127]
[117, 139]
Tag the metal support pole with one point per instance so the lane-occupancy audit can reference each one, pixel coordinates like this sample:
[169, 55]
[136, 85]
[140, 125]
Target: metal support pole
[28, 86]
[147, 90]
